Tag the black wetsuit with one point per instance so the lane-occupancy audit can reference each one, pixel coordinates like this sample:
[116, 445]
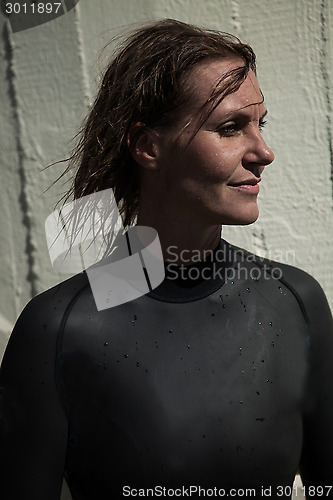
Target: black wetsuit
[204, 382]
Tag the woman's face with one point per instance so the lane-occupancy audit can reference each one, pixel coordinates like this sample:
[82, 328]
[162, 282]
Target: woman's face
[214, 177]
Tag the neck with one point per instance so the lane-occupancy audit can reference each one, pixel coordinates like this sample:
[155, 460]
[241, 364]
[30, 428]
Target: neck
[182, 242]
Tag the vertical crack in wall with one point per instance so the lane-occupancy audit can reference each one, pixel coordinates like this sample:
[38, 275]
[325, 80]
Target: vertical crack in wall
[324, 58]
[9, 47]
[235, 16]
[64, 6]
[86, 85]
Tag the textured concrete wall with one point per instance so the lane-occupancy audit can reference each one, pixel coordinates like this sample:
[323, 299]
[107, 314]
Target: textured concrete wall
[49, 73]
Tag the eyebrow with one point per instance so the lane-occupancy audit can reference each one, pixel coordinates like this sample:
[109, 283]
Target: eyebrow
[238, 113]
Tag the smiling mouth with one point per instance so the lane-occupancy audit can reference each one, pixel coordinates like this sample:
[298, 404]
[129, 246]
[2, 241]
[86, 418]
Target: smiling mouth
[246, 182]
[248, 186]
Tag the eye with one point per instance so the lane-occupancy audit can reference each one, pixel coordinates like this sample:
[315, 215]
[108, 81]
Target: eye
[262, 123]
[232, 128]
[229, 129]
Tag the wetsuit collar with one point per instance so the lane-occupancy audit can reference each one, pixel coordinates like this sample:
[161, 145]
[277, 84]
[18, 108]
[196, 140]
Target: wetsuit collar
[196, 281]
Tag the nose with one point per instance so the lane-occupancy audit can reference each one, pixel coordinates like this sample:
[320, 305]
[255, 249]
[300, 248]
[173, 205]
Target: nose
[258, 153]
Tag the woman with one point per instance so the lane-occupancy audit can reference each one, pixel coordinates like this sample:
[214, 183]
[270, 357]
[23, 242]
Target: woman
[220, 378]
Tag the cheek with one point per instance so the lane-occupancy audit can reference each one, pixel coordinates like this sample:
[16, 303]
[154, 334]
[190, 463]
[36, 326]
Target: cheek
[206, 160]
[216, 163]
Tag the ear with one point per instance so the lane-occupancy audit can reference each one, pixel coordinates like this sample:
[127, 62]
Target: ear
[143, 146]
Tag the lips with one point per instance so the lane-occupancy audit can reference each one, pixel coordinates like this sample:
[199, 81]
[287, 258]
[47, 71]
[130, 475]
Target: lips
[246, 182]
[247, 185]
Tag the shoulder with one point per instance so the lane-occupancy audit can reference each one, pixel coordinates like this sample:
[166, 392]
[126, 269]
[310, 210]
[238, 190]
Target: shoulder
[66, 291]
[41, 318]
[59, 297]
[33, 345]
[302, 285]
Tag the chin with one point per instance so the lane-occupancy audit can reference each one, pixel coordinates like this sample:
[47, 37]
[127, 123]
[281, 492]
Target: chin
[242, 220]
[246, 223]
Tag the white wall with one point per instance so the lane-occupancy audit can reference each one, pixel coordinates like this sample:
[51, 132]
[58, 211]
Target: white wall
[49, 73]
